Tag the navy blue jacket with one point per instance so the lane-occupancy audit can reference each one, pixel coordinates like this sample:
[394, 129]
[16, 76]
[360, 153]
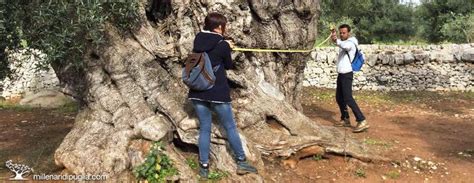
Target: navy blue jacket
[220, 54]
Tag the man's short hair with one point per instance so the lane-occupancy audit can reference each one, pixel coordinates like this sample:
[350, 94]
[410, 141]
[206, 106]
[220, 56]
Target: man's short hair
[345, 26]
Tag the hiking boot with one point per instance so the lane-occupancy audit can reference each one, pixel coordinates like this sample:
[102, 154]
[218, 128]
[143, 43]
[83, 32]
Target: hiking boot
[243, 168]
[361, 126]
[343, 123]
[204, 170]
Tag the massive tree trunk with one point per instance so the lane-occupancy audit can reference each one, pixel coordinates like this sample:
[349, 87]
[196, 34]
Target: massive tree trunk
[134, 95]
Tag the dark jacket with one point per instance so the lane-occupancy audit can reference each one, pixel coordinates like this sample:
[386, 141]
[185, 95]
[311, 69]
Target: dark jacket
[220, 54]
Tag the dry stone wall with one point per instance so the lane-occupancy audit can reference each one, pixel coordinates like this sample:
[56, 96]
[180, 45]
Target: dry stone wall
[447, 67]
[26, 76]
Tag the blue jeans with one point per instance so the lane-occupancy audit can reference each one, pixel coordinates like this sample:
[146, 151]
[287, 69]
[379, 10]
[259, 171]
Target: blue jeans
[226, 118]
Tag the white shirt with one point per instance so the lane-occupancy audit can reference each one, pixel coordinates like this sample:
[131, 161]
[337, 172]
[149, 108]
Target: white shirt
[343, 63]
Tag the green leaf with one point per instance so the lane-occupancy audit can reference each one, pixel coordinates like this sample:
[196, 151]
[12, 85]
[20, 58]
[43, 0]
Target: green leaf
[24, 43]
[143, 172]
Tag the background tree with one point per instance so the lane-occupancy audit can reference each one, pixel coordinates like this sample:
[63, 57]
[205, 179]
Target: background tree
[388, 21]
[373, 20]
[434, 14]
[460, 29]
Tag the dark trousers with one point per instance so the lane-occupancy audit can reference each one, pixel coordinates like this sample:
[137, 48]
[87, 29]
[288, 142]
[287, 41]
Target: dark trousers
[344, 97]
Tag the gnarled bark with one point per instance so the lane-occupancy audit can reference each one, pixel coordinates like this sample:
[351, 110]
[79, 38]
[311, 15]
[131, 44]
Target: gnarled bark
[134, 94]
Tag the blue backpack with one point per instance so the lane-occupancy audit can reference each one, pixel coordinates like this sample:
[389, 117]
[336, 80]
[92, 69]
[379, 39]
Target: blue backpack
[198, 73]
[358, 60]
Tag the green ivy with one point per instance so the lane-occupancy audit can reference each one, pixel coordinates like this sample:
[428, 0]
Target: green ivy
[360, 173]
[193, 164]
[317, 157]
[218, 175]
[157, 166]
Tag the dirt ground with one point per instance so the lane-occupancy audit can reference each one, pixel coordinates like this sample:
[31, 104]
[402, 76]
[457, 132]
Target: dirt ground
[428, 135]
[30, 136]
[433, 132]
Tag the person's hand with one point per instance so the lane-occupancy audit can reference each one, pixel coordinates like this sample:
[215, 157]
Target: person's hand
[231, 43]
[333, 35]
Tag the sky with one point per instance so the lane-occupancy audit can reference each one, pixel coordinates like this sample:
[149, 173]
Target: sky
[416, 2]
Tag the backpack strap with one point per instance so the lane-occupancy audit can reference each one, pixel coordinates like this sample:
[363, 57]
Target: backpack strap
[204, 73]
[347, 53]
[216, 68]
[191, 61]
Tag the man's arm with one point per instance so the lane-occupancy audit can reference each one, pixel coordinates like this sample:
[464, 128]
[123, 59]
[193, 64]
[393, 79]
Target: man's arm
[345, 45]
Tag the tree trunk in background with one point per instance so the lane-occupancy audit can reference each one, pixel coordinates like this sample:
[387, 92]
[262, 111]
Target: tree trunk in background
[134, 94]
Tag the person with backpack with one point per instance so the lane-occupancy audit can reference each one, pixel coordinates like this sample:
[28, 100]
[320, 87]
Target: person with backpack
[217, 98]
[348, 53]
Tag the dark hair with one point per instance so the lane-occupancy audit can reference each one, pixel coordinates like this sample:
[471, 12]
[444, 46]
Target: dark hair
[345, 26]
[213, 20]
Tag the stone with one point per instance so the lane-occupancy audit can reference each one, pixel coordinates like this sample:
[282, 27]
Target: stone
[399, 59]
[468, 55]
[384, 58]
[382, 78]
[314, 55]
[371, 59]
[408, 58]
[324, 81]
[328, 70]
[24, 77]
[318, 70]
[421, 56]
[442, 56]
[46, 99]
[321, 57]
[391, 60]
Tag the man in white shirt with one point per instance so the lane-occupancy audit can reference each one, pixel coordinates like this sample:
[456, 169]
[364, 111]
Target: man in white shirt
[347, 51]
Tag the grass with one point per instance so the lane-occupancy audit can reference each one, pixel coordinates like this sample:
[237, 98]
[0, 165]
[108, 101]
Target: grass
[360, 173]
[12, 106]
[391, 97]
[317, 157]
[312, 93]
[393, 174]
[213, 175]
[217, 175]
[69, 107]
[192, 163]
[376, 142]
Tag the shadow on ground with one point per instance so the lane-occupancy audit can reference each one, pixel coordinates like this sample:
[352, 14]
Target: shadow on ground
[31, 137]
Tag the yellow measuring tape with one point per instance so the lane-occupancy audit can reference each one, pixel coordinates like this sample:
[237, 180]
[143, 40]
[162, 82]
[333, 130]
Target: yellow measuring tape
[280, 50]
